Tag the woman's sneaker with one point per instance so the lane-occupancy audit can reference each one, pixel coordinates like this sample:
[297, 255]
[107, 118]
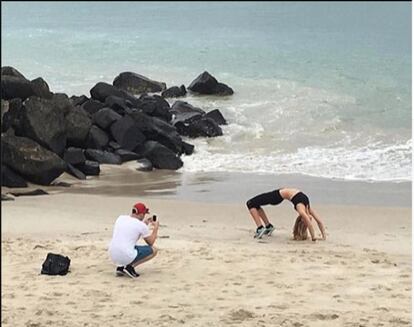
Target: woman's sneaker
[259, 232]
[130, 271]
[269, 230]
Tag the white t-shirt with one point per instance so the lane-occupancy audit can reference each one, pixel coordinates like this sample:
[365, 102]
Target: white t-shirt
[127, 231]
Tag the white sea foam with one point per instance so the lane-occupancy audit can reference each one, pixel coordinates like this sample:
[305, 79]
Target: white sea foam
[375, 163]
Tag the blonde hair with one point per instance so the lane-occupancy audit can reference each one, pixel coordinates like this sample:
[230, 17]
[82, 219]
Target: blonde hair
[300, 230]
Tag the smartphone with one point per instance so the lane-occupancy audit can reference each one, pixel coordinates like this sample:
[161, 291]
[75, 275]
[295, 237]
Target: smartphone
[154, 218]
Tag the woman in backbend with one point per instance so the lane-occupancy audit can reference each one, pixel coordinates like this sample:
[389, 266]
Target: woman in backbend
[300, 202]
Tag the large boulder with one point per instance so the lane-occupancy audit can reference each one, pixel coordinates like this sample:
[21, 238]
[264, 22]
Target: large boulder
[40, 88]
[126, 155]
[78, 100]
[156, 106]
[137, 84]
[118, 104]
[9, 178]
[158, 130]
[89, 168]
[62, 102]
[103, 157]
[174, 92]
[74, 156]
[180, 107]
[161, 157]
[97, 138]
[216, 116]
[92, 106]
[15, 87]
[10, 71]
[207, 84]
[103, 90]
[105, 117]
[75, 172]
[204, 127]
[77, 124]
[29, 159]
[43, 122]
[11, 116]
[126, 133]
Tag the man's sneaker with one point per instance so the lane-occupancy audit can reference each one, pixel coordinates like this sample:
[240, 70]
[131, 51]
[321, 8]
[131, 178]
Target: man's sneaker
[259, 232]
[120, 271]
[269, 230]
[130, 271]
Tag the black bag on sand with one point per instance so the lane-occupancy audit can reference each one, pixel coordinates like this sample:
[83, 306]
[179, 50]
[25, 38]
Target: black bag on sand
[55, 264]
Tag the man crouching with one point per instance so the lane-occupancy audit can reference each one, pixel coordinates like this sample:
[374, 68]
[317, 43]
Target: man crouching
[128, 229]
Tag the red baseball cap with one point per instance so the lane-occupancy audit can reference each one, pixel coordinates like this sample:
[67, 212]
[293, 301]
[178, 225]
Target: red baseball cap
[140, 208]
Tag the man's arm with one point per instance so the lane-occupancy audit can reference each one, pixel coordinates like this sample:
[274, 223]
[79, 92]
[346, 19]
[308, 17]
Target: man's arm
[150, 240]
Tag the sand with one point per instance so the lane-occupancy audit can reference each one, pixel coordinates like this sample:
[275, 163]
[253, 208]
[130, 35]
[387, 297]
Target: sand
[209, 270]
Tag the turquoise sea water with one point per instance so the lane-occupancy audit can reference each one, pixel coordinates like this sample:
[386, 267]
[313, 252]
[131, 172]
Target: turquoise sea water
[321, 89]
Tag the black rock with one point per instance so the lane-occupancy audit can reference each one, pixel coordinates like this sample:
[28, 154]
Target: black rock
[11, 116]
[74, 156]
[188, 148]
[216, 116]
[92, 106]
[78, 100]
[89, 168]
[126, 133]
[205, 127]
[103, 157]
[40, 88]
[33, 162]
[15, 87]
[144, 165]
[30, 193]
[174, 92]
[97, 138]
[126, 155]
[10, 71]
[77, 124]
[161, 157]
[137, 84]
[154, 105]
[62, 102]
[180, 107]
[105, 117]
[118, 104]
[207, 84]
[76, 172]
[103, 90]
[113, 145]
[158, 130]
[9, 178]
[34, 114]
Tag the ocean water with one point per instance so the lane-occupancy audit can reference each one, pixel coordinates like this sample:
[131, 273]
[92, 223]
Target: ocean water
[321, 89]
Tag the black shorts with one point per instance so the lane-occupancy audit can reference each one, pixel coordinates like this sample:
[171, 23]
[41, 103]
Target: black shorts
[300, 198]
[272, 198]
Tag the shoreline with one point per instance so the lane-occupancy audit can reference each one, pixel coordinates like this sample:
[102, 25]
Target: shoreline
[220, 187]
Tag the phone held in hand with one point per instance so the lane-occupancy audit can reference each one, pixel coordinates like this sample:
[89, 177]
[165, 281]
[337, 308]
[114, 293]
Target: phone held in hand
[154, 218]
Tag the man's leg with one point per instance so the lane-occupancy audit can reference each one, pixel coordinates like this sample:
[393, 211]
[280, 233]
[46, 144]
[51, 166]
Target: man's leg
[147, 258]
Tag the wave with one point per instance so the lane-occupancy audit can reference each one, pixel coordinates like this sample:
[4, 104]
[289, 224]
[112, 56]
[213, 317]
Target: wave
[373, 163]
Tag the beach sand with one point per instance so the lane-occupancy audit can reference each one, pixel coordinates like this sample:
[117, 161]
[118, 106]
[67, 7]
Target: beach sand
[209, 270]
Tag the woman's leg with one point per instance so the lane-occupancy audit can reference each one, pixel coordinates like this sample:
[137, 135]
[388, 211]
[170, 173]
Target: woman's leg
[262, 215]
[256, 216]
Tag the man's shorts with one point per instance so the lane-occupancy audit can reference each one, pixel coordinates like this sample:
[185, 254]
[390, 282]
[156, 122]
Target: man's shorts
[143, 252]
